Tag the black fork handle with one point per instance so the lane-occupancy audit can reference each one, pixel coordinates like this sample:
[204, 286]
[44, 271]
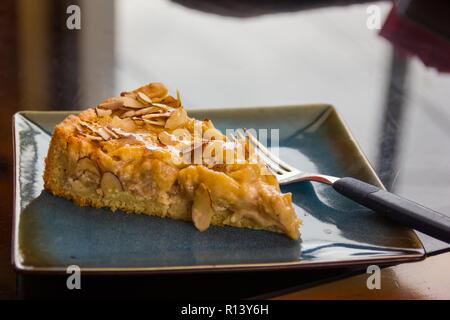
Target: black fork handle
[396, 208]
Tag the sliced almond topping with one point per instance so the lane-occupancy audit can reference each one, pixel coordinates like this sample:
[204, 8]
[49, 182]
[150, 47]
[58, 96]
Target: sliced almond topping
[177, 119]
[87, 125]
[111, 133]
[119, 132]
[126, 124]
[202, 210]
[131, 103]
[86, 164]
[128, 94]
[137, 120]
[112, 104]
[167, 138]
[156, 115]
[163, 106]
[78, 128]
[128, 114]
[156, 99]
[103, 112]
[143, 98]
[102, 133]
[158, 122]
[91, 137]
[147, 111]
[170, 101]
[154, 90]
[110, 183]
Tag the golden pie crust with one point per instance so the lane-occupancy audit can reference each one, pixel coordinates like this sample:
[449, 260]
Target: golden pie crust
[139, 152]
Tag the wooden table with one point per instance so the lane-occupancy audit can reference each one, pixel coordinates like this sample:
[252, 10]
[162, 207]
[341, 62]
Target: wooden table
[427, 279]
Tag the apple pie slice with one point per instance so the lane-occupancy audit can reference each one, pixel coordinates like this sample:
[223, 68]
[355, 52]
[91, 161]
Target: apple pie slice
[141, 153]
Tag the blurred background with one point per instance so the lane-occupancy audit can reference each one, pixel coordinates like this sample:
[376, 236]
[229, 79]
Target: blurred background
[390, 81]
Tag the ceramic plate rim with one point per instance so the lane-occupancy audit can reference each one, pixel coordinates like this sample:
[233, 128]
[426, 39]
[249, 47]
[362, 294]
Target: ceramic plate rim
[382, 260]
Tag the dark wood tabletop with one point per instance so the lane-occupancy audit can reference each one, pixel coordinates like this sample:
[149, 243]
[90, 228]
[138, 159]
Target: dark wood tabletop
[231, 54]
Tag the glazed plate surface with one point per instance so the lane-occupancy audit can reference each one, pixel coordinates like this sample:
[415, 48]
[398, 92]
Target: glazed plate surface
[51, 233]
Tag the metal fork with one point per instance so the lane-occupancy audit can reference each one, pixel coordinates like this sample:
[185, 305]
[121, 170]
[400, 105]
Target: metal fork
[393, 206]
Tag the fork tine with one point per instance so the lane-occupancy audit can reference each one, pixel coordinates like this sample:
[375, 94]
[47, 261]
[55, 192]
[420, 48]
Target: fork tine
[241, 135]
[275, 169]
[270, 165]
[244, 141]
[268, 153]
[232, 136]
[241, 143]
[253, 149]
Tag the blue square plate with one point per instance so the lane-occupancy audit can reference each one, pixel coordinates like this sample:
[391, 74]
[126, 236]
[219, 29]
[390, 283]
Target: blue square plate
[51, 233]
